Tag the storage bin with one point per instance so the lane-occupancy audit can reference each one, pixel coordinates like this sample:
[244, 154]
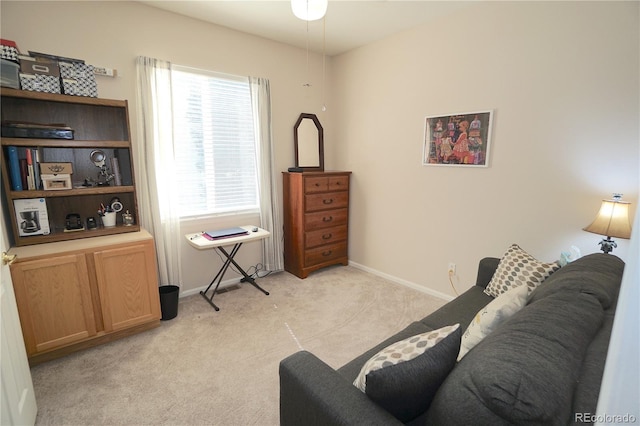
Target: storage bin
[9, 50]
[10, 74]
[40, 83]
[78, 79]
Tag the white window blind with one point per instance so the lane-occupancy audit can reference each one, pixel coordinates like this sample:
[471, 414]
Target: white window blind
[215, 144]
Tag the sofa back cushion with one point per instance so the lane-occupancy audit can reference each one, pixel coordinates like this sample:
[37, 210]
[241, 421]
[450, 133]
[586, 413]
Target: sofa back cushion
[527, 370]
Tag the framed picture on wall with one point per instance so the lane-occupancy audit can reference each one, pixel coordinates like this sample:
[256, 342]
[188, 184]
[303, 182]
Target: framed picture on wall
[457, 139]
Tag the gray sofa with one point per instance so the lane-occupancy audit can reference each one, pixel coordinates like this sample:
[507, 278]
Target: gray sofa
[543, 366]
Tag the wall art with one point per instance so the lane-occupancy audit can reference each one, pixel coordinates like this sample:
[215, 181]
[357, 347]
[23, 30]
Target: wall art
[457, 139]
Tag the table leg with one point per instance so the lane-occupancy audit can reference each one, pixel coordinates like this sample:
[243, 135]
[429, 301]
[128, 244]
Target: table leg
[246, 277]
[229, 260]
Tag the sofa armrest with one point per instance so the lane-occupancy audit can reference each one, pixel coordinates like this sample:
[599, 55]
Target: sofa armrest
[313, 393]
[486, 268]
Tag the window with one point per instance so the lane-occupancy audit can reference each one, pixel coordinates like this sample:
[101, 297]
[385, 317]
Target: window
[216, 148]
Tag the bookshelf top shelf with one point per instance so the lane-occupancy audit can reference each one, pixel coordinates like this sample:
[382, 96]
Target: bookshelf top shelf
[26, 94]
[64, 143]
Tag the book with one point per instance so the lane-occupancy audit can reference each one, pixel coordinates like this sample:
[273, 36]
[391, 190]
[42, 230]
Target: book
[14, 168]
[23, 172]
[30, 173]
[35, 155]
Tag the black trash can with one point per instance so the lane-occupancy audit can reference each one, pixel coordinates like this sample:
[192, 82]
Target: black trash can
[169, 301]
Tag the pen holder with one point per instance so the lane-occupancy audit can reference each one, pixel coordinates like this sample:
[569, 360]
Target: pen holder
[109, 219]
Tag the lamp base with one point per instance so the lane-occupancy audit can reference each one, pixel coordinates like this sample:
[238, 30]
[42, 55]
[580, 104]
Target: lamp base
[607, 245]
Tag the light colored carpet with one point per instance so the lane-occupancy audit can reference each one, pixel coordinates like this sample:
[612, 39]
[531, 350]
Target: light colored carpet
[221, 368]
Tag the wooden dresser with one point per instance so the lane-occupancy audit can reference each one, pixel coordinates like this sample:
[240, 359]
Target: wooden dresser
[316, 220]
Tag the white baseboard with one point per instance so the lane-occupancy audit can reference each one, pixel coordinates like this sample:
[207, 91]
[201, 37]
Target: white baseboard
[402, 282]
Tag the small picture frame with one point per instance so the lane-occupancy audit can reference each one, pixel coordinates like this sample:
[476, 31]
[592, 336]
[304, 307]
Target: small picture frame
[458, 139]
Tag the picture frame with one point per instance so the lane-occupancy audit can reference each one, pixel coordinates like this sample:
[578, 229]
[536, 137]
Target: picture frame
[462, 139]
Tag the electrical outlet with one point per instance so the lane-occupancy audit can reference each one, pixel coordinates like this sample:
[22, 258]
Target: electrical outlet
[452, 268]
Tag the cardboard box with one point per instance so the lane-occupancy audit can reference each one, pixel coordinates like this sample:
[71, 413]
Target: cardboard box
[32, 216]
[56, 168]
[40, 83]
[57, 182]
[29, 65]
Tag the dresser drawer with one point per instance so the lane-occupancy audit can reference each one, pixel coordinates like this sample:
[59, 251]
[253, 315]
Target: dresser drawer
[325, 236]
[326, 219]
[316, 184]
[339, 183]
[325, 254]
[326, 183]
[325, 201]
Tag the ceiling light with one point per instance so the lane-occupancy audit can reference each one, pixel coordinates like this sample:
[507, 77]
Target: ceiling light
[309, 10]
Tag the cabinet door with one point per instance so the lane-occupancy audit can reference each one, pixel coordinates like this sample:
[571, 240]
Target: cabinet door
[54, 301]
[128, 285]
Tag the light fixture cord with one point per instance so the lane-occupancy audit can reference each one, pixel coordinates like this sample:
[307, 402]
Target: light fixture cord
[324, 60]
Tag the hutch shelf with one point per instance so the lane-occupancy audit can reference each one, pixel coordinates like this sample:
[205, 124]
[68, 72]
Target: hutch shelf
[98, 124]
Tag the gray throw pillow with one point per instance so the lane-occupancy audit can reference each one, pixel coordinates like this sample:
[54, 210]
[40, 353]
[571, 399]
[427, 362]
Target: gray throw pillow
[406, 389]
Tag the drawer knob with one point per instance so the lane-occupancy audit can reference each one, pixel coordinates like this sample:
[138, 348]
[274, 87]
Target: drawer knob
[327, 236]
[327, 253]
[327, 219]
[329, 201]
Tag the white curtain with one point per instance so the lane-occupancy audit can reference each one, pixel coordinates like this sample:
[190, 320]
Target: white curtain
[270, 218]
[153, 164]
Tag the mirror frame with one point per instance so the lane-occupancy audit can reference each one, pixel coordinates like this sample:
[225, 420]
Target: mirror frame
[315, 120]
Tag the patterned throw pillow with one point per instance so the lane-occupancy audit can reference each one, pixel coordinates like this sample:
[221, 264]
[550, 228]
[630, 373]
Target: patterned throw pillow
[404, 377]
[518, 267]
[495, 313]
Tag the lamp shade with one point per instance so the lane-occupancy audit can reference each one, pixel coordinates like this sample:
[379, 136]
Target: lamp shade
[612, 220]
[309, 10]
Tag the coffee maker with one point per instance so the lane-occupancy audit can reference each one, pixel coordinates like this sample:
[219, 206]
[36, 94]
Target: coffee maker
[30, 222]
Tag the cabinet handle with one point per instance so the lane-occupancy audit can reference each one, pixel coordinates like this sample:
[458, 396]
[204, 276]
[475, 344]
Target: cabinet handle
[327, 219]
[329, 201]
[8, 259]
[327, 253]
[327, 236]
[317, 184]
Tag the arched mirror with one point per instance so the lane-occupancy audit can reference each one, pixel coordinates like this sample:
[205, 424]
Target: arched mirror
[308, 137]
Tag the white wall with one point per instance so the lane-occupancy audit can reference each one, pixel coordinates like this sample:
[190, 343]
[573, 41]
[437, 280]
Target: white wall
[563, 81]
[112, 34]
[561, 77]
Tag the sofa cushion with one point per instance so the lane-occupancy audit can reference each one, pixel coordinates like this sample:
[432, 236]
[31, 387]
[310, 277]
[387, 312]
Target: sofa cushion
[351, 369]
[491, 316]
[526, 371]
[518, 267]
[460, 310]
[404, 377]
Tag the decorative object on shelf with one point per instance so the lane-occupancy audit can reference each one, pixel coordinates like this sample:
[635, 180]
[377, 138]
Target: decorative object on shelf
[309, 10]
[91, 223]
[458, 139]
[73, 222]
[308, 138]
[612, 221]
[115, 204]
[99, 158]
[127, 218]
